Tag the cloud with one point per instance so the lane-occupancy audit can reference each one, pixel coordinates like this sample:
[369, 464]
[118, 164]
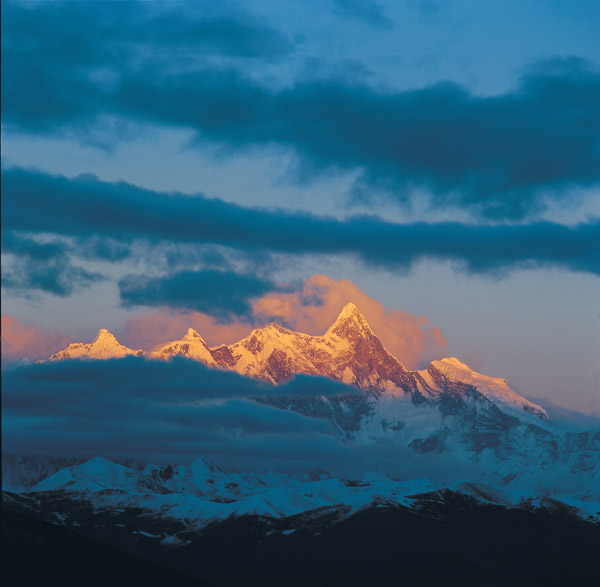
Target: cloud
[567, 419]
[84, 207]
[366, 11]
[55, 385]
[219, 293]
[32, 343]
[64, 56]
[310, 307]
[148, 406]
[232, 33]
[41, 267]
[167, 324]
[501, 156]
[178, 411]
[314, 307]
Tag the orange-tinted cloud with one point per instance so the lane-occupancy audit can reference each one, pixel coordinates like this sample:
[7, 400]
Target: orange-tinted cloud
[31, 343]
[163, 325]
[312, 309]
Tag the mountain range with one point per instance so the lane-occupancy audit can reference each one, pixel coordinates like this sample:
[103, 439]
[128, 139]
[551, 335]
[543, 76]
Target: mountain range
[274, 529]
[446, 409]
[349, 352]
[518, 468]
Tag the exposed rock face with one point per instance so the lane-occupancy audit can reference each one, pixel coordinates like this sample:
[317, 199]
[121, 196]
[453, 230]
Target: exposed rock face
[349, 352]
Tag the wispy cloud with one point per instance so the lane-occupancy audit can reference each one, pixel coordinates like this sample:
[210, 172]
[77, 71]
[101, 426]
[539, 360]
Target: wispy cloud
[35, 267]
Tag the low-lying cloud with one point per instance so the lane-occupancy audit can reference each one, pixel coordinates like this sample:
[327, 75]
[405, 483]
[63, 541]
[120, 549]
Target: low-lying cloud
[178, 411]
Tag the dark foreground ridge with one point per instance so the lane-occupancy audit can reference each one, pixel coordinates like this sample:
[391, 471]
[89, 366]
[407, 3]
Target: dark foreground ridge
[448, 539]
[35, 552]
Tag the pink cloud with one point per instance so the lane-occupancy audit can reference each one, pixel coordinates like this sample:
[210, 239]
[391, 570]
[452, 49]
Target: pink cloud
[312, 309]
[33, 343]
[164, 325]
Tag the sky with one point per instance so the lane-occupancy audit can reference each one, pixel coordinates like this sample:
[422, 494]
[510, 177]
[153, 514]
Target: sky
[220, 166]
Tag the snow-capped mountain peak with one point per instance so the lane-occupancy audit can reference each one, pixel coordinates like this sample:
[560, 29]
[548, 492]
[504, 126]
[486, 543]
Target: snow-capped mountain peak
[349, 323]
[191, 334]
[104, 346]
[349, 351]
[192, 345]
[350, 310]
[104, 336]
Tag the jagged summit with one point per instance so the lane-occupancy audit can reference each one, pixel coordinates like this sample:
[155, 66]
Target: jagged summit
[350, 321]
[105, 335]
[191, 334]
[350, 313]
[349, 310]
[349, 352]
[271, 329]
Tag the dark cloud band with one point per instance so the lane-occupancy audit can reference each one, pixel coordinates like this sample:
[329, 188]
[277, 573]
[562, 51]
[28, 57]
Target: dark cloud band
[85, 207]
[218, 293]
[64, 67]
[178, 411]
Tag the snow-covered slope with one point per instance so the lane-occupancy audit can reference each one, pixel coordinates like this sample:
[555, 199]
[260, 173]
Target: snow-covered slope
[496, 389]
[96, 474]
[104, 346]
[202, 493]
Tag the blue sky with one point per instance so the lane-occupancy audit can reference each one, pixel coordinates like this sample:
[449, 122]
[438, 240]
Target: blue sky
[443, 156]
